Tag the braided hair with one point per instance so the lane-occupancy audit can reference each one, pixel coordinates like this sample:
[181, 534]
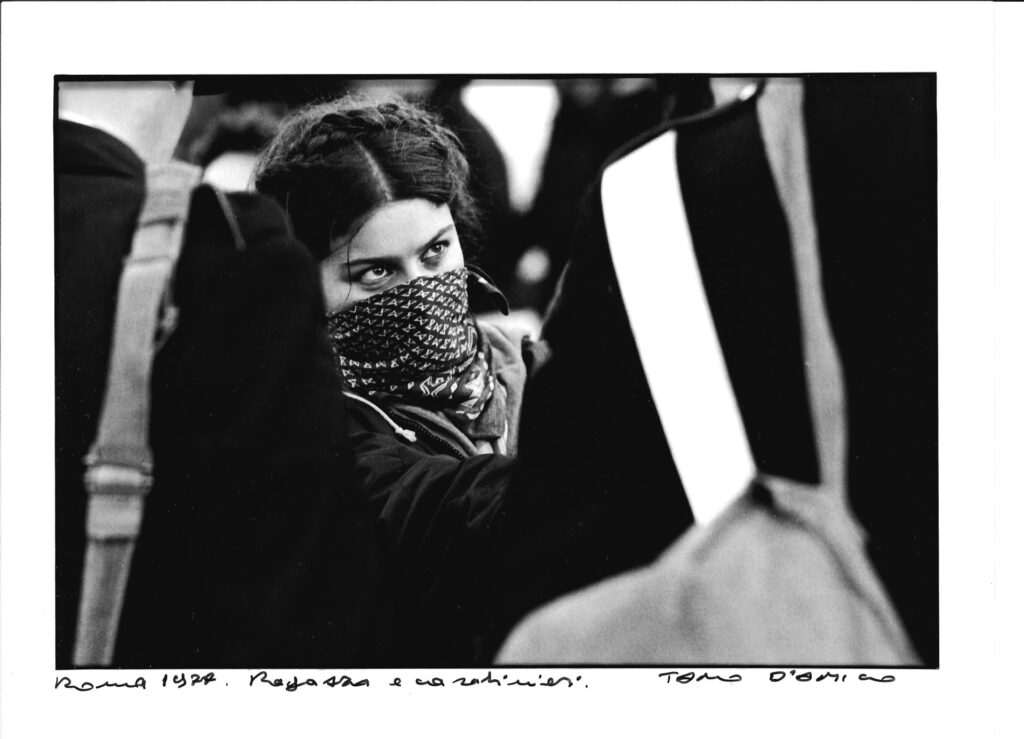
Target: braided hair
[332, 164]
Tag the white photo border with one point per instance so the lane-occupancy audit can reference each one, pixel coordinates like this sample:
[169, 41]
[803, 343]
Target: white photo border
[953, 40]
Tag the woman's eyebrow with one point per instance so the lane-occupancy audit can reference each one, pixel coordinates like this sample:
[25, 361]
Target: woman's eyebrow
[370, 260]
[435, 237]
[390, 259]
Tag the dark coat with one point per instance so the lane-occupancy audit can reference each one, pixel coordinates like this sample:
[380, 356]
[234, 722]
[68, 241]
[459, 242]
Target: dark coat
[254, 551]
[436, 511]
[595, 490]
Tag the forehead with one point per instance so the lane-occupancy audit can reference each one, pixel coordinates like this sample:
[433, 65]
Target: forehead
[399, 228]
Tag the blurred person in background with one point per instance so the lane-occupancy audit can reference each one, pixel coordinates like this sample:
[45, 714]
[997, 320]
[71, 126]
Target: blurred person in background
[254, 549]
[225, 94]
[228, 150]
[380, 194]
[225, 133]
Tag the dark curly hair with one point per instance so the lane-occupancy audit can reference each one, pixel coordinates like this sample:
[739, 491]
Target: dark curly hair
[332, 164]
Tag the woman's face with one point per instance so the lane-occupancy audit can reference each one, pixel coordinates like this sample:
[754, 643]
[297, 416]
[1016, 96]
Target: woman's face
[401, 241]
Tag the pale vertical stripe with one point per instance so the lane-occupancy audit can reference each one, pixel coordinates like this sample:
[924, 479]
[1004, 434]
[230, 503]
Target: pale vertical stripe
[780, 110]
[652, 251]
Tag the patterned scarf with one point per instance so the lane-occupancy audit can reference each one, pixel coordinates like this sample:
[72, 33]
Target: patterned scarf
[417, 342]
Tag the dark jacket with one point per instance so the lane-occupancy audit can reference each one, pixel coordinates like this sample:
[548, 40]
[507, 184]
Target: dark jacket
[437, 499]
[435, 511]
[254, 550]
[595, 491]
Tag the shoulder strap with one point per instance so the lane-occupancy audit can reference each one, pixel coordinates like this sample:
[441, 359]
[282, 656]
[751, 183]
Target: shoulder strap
[119, 464]
[645, 220]
[780, 113]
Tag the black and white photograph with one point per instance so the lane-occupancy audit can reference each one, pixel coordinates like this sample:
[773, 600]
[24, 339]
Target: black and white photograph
[534, 378]
[383, 466]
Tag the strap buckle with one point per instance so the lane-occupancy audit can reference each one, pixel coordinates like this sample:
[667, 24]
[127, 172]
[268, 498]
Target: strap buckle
[116, 500]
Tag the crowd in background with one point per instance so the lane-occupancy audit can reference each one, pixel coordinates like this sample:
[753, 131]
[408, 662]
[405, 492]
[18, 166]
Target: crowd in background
[534, 146]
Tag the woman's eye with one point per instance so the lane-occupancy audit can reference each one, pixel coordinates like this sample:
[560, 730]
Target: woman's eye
[434, 251]
[374, 276]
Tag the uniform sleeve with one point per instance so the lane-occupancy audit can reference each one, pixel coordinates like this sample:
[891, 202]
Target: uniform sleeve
[595, 491]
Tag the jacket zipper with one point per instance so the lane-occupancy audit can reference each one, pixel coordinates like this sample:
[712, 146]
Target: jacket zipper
[408, 434]
[399, 431]
[456, 451]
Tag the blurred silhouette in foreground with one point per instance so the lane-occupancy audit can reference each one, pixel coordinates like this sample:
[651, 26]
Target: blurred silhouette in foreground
[254, 548]
[793, 203]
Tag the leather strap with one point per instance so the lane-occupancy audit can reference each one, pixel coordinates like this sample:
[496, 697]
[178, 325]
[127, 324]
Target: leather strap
[120, 462]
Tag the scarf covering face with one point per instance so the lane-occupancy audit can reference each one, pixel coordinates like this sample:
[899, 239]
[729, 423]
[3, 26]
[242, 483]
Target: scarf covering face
[418, 342]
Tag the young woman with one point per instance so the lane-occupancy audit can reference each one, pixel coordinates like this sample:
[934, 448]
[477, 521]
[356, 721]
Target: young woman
[379, 193]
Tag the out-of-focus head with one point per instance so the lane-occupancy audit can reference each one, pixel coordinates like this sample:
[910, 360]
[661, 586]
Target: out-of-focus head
[148, 115]
[228, 149]
[684, 95]
[583, 91]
